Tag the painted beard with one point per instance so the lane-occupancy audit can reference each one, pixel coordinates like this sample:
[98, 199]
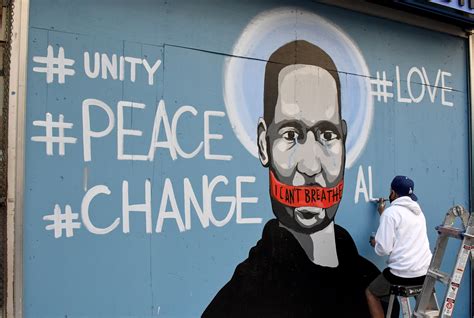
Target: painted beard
[306, 209]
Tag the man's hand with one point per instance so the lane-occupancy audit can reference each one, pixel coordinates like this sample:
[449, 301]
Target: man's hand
[381, 205]
[372, 242]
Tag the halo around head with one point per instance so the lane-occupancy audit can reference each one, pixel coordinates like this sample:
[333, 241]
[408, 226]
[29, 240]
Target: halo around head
[244, 73]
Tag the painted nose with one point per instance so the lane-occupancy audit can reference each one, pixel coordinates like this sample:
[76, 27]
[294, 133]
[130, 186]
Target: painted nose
[310, 156]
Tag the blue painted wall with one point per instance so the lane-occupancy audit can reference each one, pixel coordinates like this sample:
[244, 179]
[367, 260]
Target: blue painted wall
[173, 273]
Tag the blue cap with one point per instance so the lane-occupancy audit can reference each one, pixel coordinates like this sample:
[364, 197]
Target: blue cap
[404, 186]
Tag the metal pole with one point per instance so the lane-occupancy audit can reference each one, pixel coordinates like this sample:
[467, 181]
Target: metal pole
[471, 148]
[16, 159]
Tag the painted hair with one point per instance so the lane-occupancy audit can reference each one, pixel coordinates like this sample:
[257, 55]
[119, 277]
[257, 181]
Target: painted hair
[295, 52]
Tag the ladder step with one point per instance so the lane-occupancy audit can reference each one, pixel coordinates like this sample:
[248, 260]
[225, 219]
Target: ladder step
[440, 276]
[468, 235]
[451, 231]
[428, 314]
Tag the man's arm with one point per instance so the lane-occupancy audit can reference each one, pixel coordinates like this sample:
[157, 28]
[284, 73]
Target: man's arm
[385, 237]
[380, 208]
[381, 205]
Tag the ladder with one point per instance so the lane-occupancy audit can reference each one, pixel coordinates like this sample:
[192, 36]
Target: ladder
[426, 304]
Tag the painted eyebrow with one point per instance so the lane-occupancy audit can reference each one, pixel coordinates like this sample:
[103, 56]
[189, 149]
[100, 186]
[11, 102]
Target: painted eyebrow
[323, 124]
[328, 125]
[290, 123]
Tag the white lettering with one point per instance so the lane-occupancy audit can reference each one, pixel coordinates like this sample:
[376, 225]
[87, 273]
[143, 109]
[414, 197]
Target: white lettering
[415, 70]
[399, 88]
[121, 132]
[371, 194]
[121, 68]
[87, 67]
[361, 186]
[109, 66]
[208, 189]
[86, 201]
[174, 128]
[161, 116]
[240, 200]
[445, 89]
[208, 137]
[144, 208]
[133, 66]
[168, 195]
[151, 70]
[87, 133]
[431, 88]
[190, 197]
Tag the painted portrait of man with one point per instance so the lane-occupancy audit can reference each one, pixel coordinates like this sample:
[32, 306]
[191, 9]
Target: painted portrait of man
[304, 265]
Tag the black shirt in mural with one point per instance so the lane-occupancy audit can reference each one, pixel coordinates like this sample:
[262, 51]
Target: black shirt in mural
[279, 280]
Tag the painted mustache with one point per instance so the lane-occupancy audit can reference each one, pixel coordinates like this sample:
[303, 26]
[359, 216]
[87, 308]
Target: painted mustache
[305, 196]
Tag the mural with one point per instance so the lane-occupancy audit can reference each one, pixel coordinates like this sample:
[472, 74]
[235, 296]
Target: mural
[145, 194]
[303, 262]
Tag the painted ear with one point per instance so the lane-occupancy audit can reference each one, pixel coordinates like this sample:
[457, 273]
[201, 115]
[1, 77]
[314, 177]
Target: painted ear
[344, 129]
[262, 143]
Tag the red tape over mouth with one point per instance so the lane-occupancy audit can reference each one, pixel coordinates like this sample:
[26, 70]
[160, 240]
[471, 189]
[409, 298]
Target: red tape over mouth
[300, 196]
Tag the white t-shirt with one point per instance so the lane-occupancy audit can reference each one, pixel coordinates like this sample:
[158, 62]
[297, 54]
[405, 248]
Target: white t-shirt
[402, 236]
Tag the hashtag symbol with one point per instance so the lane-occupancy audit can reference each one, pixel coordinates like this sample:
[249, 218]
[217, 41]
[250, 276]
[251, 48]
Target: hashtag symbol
[49, 139]
[62, 221]
[381, 87]
[54, 65]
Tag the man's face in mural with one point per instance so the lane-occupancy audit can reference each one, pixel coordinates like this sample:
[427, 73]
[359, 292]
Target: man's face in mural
[304, 145]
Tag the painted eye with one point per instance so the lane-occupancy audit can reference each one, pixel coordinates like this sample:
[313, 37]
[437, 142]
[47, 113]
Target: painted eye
[290, 135]
[328, 135]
